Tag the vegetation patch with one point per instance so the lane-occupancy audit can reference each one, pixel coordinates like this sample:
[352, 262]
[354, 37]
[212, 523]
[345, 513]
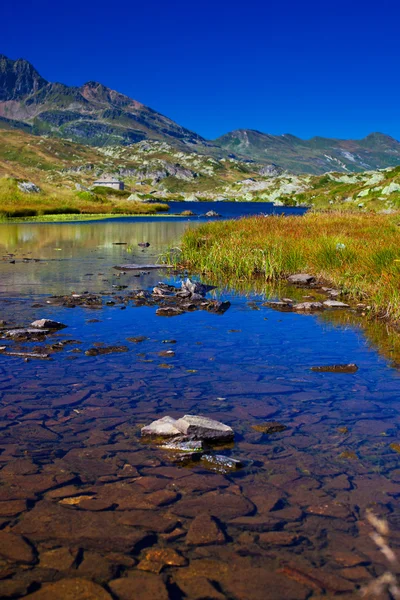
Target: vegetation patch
[359, 253]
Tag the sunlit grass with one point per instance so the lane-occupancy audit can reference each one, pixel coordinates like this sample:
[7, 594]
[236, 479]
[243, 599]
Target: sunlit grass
[50, 201]
[359, 253]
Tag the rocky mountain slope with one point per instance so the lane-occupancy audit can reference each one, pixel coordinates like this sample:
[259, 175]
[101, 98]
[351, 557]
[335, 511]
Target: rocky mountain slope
[97, 116]
[157, 171]
[317, 155]
[91, 114]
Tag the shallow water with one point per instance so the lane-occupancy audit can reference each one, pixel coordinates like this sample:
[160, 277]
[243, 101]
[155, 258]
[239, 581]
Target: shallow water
[94, 502]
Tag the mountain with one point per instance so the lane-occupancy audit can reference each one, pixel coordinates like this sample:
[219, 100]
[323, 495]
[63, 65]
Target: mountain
[91, 114]
[95, 115]
[317, 155]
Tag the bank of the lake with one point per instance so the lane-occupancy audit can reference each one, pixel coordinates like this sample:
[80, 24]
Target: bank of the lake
[359, 254]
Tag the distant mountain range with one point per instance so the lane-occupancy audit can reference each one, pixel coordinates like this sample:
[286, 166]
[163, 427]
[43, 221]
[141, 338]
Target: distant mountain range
[98, 116]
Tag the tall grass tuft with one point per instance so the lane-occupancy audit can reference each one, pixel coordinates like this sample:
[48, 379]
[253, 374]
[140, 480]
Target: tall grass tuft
[359, 253]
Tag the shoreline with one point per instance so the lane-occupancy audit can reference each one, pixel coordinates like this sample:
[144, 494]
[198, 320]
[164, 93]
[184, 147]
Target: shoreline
[357, 254]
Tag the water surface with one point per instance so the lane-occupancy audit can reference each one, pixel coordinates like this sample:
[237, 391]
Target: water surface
[96, 503]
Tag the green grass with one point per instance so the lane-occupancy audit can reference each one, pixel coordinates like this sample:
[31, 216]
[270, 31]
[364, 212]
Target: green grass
[52, 201]
[359, 253]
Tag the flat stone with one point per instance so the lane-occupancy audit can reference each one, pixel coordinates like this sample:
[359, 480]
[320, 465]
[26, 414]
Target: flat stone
[224, 506]
[165, 427]
[197, 588]
[269, 427]
[169, 311]
[335, 304]
[47, 324]
[12, 508]
[204, 530]
[136, 267]
[301, 279]
[71, 589]
[308, 306]
[204, 428]
[59, 559]
[257, 583]
[139, 585]
[15, 548]
[347, 368]
[278, 538]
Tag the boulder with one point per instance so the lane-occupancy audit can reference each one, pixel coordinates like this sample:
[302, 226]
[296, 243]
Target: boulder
[164, 427]
[204, 428]
[28, 187]
[301, 279]
[195, 287]
[212, 213]
[47, 324]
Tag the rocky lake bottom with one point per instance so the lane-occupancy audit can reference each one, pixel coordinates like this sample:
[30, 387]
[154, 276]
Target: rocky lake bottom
[90, 509]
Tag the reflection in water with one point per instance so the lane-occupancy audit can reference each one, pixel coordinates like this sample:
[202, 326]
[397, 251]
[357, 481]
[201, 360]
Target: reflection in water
[104, 507]
[69, 252]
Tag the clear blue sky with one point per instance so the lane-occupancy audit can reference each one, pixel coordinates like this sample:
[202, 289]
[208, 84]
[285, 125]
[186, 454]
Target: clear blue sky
[307, 67]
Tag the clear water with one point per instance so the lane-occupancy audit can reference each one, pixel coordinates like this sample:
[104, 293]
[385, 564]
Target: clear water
[293, 519]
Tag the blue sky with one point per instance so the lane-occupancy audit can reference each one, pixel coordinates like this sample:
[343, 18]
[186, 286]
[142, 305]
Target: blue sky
[302, 67]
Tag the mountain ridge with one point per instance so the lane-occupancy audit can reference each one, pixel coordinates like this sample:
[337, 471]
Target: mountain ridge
[96, 115]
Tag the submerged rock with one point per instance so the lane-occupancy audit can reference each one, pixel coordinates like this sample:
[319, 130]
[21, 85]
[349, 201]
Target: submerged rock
[169, 311]
[105, 350]
[349, 368]
[221, 464]
[270, 427]
[47, 324]
[301, 279]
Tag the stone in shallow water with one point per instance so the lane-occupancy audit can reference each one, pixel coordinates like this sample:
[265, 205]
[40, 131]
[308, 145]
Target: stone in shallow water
[308, 306]
[205, 530]
[47, 324]
[335, 304]
[15, 548]
[164, 427]
[220, 463]
[349, 368]
[270, 427]
[169, 311]
[139, 585]
[204, 428]
[71, 589]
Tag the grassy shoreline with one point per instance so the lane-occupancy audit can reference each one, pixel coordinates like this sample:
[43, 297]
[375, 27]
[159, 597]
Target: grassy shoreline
[360, 254]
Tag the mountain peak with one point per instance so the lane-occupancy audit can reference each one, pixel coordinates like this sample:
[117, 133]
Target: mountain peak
[18, 79]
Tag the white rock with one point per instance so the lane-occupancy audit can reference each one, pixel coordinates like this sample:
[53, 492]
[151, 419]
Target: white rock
[335, 304]
[204, 428]
[389, 189]
[164, 427]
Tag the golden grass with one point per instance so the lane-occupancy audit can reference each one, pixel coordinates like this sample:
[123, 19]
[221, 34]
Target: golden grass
[358, 253]
[51, 201]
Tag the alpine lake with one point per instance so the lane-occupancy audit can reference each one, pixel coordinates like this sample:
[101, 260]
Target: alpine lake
[90, 510]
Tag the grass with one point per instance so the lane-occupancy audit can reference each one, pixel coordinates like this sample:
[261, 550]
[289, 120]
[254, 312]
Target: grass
[359, 253]
[52, 201]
